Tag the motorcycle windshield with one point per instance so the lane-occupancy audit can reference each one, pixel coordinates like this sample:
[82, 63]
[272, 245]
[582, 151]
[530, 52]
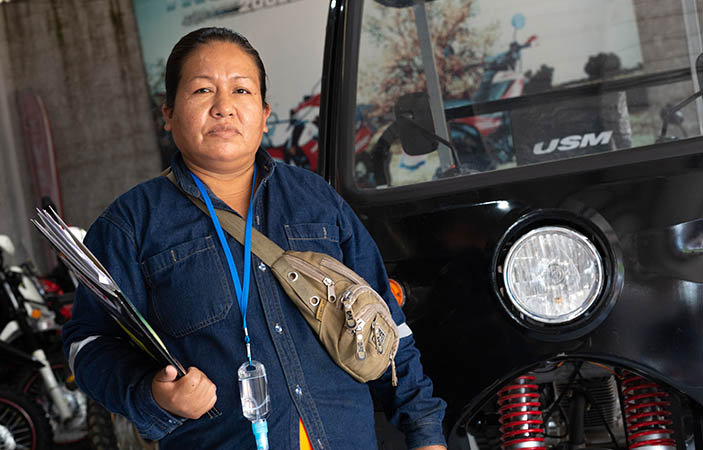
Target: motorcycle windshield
[575, 80]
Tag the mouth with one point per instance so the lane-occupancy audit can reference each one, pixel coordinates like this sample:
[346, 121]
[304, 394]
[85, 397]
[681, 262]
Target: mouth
[223, 131]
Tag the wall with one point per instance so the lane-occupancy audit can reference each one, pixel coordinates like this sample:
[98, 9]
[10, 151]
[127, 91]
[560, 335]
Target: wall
[83, 59]
[15, 187]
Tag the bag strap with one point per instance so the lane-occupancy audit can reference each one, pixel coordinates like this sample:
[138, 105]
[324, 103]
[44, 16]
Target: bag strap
[262, 246]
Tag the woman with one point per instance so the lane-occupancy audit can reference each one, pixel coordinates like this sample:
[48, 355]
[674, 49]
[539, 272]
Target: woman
[164, 254]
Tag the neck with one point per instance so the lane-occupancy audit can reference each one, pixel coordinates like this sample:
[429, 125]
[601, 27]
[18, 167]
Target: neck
[233, 188]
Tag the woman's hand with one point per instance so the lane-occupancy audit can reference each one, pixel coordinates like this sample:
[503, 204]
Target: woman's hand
[191, 396]
[432, 447]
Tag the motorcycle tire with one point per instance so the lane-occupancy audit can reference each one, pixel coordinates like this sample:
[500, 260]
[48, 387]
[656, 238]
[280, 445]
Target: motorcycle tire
[110, 431]
[23, 424]
[100, 430]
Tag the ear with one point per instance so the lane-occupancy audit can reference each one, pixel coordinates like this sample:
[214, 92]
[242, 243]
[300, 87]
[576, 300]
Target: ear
[168, 117]
[267, 113]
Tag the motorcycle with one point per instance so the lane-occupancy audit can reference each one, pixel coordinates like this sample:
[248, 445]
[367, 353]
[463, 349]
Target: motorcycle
[32, 330]
[484, 142]
[478, 143]
[301, 146]
[32, 309]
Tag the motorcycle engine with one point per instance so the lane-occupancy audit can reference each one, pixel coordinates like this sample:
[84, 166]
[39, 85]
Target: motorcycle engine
[602, 415]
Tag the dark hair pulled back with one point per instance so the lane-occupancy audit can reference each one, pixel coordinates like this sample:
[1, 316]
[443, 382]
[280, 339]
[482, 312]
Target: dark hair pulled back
[191, 41]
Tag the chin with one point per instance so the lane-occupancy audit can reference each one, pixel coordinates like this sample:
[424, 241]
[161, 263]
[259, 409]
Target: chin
[231, 157]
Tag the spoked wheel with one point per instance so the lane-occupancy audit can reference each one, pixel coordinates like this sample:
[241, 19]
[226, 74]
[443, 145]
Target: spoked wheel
[23, 425]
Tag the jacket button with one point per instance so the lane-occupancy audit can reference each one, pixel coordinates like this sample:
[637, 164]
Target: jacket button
[278, 328]
[262, 267]
[298, 391]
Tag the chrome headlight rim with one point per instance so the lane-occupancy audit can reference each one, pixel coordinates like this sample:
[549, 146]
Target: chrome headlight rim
[600, 233]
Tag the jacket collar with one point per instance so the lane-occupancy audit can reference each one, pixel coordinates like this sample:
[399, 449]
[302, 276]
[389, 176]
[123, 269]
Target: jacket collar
[264, 163]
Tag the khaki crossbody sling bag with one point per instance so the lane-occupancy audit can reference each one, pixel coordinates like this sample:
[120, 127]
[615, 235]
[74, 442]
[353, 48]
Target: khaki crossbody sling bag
[351, 319]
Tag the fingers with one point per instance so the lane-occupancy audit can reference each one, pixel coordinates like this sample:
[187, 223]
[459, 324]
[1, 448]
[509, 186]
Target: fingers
[190, 396]
[209, 398]
[198, 391]
[213, 400]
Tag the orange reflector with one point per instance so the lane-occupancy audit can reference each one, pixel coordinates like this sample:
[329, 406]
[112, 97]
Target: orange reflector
[397, 291]
[36, 314]
[304, 439]
[71, 378]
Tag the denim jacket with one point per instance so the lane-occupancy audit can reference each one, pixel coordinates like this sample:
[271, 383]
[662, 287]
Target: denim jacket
[164, 254]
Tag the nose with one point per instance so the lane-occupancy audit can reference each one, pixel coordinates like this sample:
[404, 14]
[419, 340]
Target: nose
[223, 106]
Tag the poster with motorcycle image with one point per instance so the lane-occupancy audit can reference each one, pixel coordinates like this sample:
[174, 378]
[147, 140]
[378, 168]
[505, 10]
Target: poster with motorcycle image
[488, 51]
[289, 35]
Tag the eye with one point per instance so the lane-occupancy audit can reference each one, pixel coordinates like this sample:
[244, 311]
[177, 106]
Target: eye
[201, 91]
[242, 91]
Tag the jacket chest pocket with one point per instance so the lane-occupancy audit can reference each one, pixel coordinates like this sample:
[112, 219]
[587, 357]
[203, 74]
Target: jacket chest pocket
[314, 237]
[187, 287]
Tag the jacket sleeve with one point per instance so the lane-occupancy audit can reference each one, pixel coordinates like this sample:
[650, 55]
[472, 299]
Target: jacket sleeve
[107, 366]
[410, 406]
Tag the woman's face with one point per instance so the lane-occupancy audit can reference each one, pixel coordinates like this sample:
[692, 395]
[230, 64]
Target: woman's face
[218, 116]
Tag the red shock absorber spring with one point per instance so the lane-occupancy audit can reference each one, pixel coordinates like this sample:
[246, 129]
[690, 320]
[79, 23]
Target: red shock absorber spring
[520, 415]
[647, 417]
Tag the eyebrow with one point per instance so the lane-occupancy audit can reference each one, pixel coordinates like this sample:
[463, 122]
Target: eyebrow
[207, 77]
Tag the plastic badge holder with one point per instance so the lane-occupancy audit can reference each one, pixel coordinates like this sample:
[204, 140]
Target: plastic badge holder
[253, 388]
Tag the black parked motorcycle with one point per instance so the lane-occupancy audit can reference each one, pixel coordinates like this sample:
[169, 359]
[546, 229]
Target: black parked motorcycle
[33, 364]
[30, 336]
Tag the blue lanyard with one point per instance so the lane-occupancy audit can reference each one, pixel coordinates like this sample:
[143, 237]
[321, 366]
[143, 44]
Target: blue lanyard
[242, 290]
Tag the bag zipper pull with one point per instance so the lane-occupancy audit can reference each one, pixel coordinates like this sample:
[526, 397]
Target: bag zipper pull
[345, 296]
[360, 351]
[331, 295]
[349, 315]
[376, 330]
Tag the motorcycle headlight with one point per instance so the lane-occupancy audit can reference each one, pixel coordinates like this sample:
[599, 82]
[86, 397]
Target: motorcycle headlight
[553, 274]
